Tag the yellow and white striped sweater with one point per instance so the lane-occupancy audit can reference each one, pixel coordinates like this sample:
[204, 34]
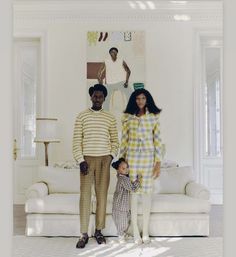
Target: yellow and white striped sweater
[95, 134]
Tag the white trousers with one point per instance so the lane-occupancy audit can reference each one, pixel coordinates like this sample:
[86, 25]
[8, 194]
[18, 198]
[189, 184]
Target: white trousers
[108, 105]
[146, 207]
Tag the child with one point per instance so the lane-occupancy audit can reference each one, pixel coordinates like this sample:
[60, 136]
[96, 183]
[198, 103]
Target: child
[120, 207]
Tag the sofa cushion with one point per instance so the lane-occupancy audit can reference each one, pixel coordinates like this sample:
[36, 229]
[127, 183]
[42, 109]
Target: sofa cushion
[54, 203]
[60, 180]
[113, 180]
[176, 203]
[167, 203]
[173, 180]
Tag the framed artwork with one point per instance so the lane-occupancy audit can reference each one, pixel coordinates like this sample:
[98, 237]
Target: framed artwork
[116, 59]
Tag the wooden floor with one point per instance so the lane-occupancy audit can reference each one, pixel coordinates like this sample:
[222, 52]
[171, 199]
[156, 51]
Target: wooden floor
[216, 220]
[19, 219]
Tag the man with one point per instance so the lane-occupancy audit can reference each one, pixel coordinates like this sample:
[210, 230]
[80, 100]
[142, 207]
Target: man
[95, 143]
[117, 75]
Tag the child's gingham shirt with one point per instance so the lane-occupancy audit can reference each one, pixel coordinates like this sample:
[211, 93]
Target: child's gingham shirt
[122, 193]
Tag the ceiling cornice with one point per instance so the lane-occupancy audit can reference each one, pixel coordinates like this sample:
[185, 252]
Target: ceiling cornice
[104, 10]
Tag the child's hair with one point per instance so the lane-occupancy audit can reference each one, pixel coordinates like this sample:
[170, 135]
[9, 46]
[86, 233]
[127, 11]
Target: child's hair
[116, 164]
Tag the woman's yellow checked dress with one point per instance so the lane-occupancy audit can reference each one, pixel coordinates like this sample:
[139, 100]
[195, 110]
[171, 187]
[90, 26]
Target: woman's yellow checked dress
[141, 146]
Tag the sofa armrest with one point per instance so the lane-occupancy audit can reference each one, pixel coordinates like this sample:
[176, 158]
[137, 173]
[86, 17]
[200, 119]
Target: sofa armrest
[37, 190]
[197, 190]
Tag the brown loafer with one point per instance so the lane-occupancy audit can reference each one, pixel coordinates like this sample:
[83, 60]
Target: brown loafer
[83, 240]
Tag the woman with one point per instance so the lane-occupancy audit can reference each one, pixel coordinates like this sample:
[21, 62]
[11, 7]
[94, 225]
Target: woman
[141, 147]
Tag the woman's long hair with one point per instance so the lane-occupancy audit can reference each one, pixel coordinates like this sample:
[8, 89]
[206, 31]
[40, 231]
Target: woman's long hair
[132, 107]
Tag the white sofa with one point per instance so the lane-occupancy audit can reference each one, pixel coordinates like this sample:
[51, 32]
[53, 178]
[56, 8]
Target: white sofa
[180, 206]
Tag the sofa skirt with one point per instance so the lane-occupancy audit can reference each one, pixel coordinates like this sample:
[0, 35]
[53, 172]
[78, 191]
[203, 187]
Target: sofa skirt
[55, 225]
[168, 224]
[161, 224]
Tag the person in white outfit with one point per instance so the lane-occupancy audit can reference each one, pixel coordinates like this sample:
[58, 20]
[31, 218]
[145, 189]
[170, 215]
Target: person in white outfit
[116, 73]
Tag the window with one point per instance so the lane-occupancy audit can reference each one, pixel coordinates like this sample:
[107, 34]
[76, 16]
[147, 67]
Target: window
[27, 70]
[212, 102]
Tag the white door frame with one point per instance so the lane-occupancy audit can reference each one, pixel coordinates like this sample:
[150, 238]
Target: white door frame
[200, 167]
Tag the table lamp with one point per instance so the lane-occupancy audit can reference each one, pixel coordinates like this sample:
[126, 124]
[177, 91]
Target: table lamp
[46, 133]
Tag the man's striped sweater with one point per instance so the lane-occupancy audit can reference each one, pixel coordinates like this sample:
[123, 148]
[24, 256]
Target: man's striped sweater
[95, 134]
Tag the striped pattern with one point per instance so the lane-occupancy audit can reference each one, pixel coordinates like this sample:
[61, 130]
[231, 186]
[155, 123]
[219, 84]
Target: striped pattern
[141, 147]
[95, 134]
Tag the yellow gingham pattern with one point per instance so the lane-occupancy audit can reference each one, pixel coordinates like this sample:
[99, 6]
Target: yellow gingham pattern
[141, 146]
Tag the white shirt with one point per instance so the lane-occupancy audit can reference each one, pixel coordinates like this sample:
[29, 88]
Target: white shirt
[115, 71]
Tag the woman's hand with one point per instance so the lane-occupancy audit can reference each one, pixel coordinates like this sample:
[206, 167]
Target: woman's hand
[156, 170]
[139, 178]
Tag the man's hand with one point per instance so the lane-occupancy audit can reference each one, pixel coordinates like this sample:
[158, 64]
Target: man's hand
[126, 84]
[156, 170]
[84, 167]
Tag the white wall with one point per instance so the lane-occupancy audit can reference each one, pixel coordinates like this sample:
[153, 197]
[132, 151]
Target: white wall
[6, 218]
[169, 78]
[229, 127]
[66, 83]
[169, 73]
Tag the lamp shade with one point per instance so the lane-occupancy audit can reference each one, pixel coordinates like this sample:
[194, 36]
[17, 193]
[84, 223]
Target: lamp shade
[46, 130]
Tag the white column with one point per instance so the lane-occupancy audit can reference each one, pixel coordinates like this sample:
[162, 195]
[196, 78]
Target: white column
[229, 107]
[5, 128]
